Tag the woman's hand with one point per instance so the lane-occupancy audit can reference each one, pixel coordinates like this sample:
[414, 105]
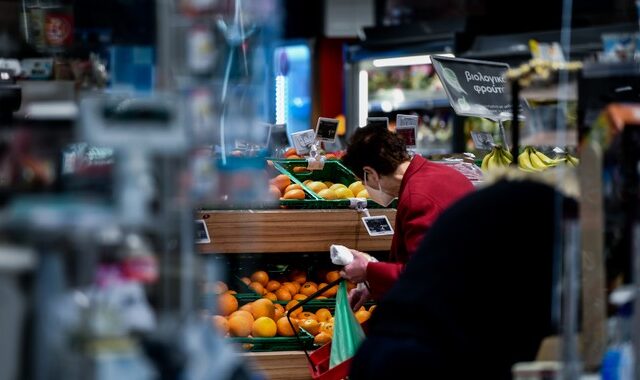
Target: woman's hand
[358, 296]
[357, 270]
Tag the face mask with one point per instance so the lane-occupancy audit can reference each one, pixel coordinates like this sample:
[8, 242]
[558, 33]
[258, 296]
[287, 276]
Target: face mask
[377, 195]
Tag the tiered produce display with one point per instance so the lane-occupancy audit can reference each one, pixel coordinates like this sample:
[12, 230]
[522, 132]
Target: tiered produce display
[529, 160]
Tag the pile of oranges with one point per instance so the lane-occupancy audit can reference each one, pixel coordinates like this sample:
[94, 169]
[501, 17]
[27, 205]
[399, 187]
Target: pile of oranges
[296, 288]
[282, 188]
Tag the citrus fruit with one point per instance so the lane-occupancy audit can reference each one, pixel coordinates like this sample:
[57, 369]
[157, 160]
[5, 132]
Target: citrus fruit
[260, 276]
[356, 187]
[343, 193]
[290, 287]
[337, 186]
[327, 327]
[293, 186]
[323, 315]
[227, 304]
[264, 327]
[299, 297]
[372, 308]
[272, 286]
[246, 280]
[311, 325]
[240, 326]
[281, 181]
[284, 328]
[317, 186]
[307, 182]
[328, 184]
[322, 338]
[290, 151]
[279, 312]
[263, 308]
[363, 194]
[362, 316]
[246, 307]
[221, 324]
[327, 194]
[332, 276]
[298, 276]
[242, 314]
[308, 289]
[331, 292]
[257, 287]
[270, 296]
[307, 315]
[290, 305]
[230, 292]
[283, 294]
[294, 194]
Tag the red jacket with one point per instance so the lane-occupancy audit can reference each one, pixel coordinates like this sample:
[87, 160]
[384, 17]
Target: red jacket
[426, 190]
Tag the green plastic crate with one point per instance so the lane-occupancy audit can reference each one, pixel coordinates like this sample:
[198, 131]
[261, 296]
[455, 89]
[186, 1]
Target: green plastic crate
[278, 343]
[333, 171]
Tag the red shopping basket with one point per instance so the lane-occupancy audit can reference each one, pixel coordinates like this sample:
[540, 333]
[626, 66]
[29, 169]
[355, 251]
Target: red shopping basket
[319, 359]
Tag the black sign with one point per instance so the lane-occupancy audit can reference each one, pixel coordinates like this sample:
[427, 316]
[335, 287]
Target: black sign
[475, 88]
[326, 129]
[378, 122]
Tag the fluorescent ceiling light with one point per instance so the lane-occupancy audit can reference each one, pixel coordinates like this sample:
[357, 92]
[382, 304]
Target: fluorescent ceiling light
[363, 98]
[407, 61]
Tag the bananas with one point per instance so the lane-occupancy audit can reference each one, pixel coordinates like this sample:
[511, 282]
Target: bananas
[496, 158]
[568, 160]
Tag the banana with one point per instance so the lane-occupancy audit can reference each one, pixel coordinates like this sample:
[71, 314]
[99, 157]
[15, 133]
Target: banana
[535, 161]
[545, 159]
[508, 155]
[574, 160]
[524, 162]
[494, 161]
[485, 161]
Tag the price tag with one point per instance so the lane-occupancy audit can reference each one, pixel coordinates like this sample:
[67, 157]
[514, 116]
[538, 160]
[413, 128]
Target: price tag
[406, 127]
[380, 122]
[326, 129]
[303, 140]
[202, 232]
[482, 140]
[377, 225]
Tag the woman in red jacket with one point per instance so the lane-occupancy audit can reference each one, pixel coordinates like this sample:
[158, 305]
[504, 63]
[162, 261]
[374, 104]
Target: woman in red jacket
[424, 189]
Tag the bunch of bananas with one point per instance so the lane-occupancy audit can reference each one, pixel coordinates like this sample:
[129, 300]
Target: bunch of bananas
[532, 160]
[496, 158]
[568, 160]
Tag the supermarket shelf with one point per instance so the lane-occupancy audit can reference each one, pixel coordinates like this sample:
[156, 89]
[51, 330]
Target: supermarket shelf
[429, 103]
[283, 365]
[283, 231]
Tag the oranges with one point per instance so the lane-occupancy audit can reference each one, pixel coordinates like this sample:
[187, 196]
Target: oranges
[227, 304]
[294, 194]
[261, 277]
[332, 276]
[363, 194]
[292, 287]
[328, 194]
[299, 297]
[279, 311]
[283, 294]
[307, 315]
[317, 186]
[336, 186]
[257, 287]
[264, 327]
[281, 181]
[290, 305]
[322, 338]
[343, 193]
[362, 316]
[272, 286]
[240, 326]
[298, 276]
[263, 308]
[311, 325]
[323, 315]
[243, 314]
[356, 187]
[293, 186]
[270, 296]
[308, 289]
[284, 328]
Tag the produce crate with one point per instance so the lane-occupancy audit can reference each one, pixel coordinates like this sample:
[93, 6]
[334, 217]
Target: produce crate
[332, 171]
[304, 340]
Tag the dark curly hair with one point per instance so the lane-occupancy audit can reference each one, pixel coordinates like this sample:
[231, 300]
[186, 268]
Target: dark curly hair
[376, 147]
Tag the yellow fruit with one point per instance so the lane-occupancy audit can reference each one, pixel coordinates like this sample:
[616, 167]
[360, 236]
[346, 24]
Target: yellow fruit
[337, 186]
[307, 182]
[356, 187]
[323, 315]
[260, 276]
[343, 193]
[327, 194]
[294, 194]
[363, 194]
[328, 184]
[322, 338]
[263, 308]
[284, 328]
[316, 187]
[227, 304]
[264, 327]
[311, 325]
[240, 326]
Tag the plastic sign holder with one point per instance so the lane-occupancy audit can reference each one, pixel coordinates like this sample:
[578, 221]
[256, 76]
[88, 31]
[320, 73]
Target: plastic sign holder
[326, 129]
[303, 140]
[407, 127]
[380, 122]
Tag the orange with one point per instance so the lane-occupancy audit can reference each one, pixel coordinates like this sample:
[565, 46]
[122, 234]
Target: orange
[246, 307]
[230, 292]
[307, 182]
[332, 276]
[311, 325]
[240, 326]
[343, 193]
[301, 169]
[307, 315]
[308, 289]
[336, 186]
[281, 181]
[331, 292]
[299, 297]
[221, 324]
[284, 328]
[291, 305]
[328, 184]
[293, 157]
[227, 304]
[283, 294]
[257, 287]
[264, 327]
[294, 194]
[298, 276]
[322, 338]
[356, 187]
[363, 194]
[242, 314]
[362, 316]
[275, 192]
[293, 186]
[290, 151]
[246, 280]
[263, 308]
[326, 327]
[311, 283]
[272, 286]
[317, 186]
[260, 276]
[279, 313]
[293, 289]
[270, 296]
[331, 156]
[220, 287]
[327, 194]
[323, 315]
[321, 298]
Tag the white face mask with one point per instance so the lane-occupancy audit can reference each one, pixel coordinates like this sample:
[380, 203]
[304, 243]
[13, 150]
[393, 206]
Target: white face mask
[377, 195]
